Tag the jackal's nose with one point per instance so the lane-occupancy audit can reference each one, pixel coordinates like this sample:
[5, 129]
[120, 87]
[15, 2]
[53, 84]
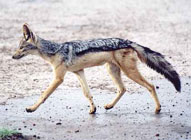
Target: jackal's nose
[15, 57]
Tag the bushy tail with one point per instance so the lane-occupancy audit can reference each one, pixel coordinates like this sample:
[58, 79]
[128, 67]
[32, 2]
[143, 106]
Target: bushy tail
[157, 62]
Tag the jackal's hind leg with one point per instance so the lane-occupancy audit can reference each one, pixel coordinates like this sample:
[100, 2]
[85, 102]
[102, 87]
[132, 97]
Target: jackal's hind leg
[59, 74]
[83, 83]
[115, 74]
[132, 72]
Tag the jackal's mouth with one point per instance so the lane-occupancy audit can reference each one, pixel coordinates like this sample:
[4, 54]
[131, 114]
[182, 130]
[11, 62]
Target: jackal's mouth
[17, 56]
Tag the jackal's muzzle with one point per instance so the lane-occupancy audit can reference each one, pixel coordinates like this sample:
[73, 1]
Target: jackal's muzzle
[17, 56]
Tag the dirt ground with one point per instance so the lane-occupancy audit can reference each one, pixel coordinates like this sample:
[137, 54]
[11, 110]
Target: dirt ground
[164, 26]
[65, 116]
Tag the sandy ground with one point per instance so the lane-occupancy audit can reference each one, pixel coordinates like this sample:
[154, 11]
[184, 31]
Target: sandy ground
[65, 116]
[163, 26]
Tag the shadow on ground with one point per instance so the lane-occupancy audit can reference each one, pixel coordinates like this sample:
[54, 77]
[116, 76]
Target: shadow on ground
[65, 115]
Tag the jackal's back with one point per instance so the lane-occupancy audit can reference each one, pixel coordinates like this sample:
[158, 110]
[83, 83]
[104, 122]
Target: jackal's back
[78, 48]
[96, 45]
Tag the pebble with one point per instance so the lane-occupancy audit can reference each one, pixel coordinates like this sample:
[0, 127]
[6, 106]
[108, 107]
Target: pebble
[157, 135]
[77, 131]
[58, 123]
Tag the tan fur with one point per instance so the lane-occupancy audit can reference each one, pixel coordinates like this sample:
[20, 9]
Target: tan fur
[84, 85]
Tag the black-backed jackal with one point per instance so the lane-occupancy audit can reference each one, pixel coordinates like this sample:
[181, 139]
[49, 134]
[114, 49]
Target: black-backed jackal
[118, 55]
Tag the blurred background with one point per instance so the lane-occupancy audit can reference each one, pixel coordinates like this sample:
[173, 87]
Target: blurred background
[162, 25]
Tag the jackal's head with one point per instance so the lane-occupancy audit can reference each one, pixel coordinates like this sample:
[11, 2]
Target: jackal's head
[28, 43]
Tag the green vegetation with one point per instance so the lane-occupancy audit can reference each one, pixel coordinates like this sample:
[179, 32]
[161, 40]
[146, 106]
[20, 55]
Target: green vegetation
[6, 132]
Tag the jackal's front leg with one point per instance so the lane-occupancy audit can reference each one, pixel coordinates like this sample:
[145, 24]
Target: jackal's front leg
[82, 79]
[59, 74]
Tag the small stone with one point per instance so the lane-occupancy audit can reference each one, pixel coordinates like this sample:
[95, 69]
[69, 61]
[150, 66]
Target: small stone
[77, 131]
[157, 135]
[69, 132]
[58, 123]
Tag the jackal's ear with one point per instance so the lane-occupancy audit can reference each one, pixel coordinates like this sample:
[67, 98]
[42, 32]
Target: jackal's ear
[27, 33]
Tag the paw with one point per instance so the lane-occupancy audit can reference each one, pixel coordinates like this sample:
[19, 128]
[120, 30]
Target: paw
[92, 110]
[157, 110]
[29, 110]
[108, 106]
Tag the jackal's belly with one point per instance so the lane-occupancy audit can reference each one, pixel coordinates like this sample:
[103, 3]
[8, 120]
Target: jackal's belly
[90, 60]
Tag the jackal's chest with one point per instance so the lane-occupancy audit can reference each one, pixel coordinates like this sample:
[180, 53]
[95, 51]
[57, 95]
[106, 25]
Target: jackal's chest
[88, 60]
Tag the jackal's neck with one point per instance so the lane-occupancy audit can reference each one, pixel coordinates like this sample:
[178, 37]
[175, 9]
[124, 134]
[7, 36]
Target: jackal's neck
[47, 47]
